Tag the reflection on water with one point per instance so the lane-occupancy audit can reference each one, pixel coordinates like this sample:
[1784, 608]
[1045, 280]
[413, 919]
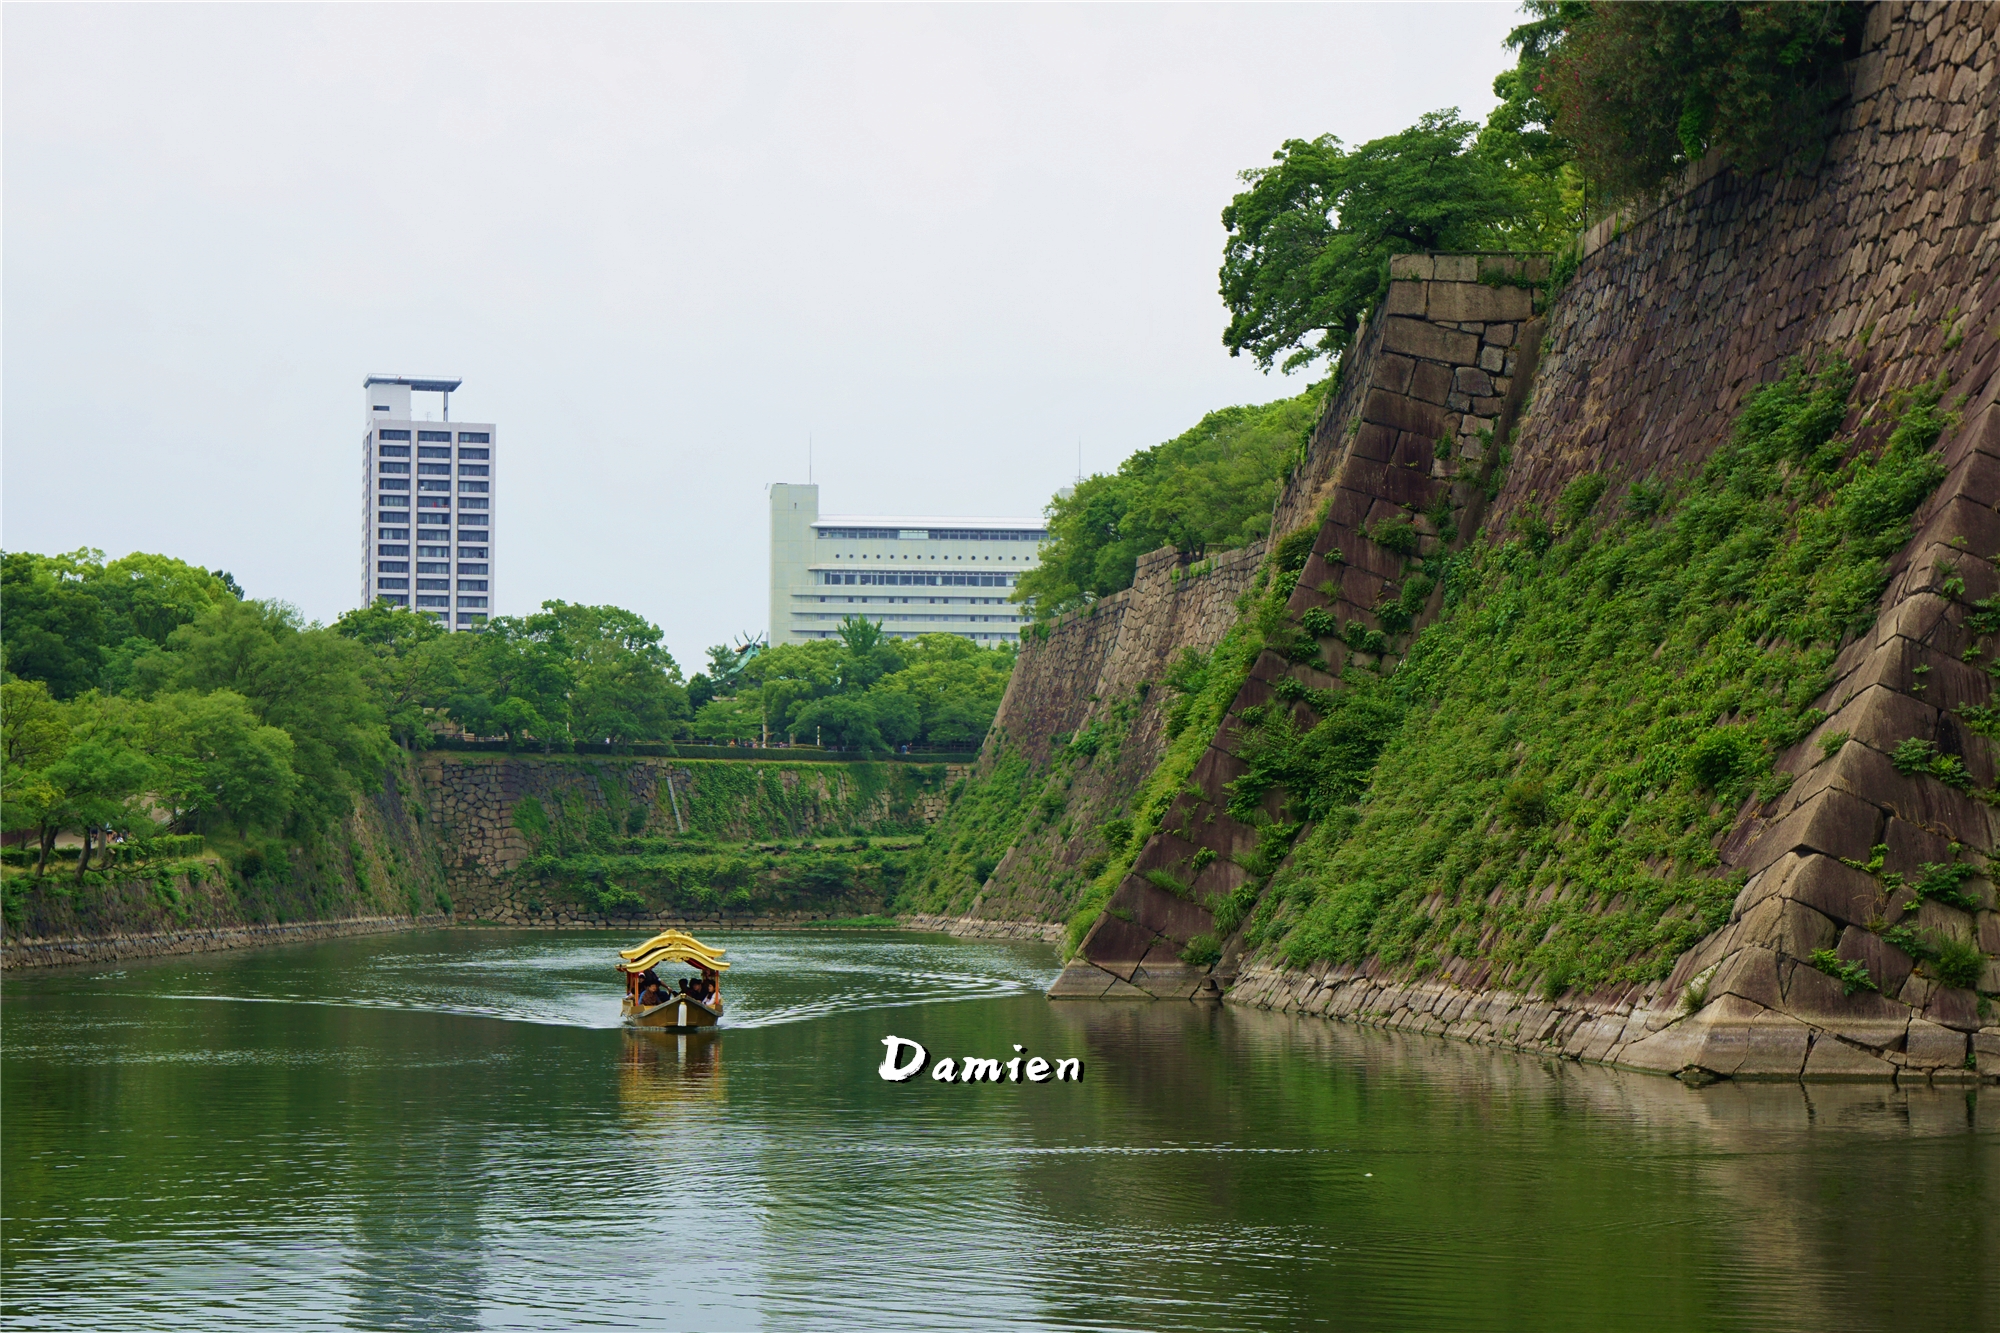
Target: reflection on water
[448, 1130]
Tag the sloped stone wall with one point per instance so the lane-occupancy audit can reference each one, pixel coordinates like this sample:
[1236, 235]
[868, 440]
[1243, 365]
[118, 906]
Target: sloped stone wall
[1408, 440]
[1091, 665]
[1885, 254]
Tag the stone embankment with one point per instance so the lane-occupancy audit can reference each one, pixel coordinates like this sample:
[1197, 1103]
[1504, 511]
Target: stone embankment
[473, 800]
[61, 951]
[379, 869]
[978, 928]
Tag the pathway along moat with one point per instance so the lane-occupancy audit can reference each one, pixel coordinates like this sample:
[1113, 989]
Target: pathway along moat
[447, 1130]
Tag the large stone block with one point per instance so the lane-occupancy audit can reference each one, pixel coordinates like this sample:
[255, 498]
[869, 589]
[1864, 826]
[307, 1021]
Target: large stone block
[1403, 412]
[1929, 1045]
[1833, 1059]
[1836, 824]
[1415, 337]
[1465, 302]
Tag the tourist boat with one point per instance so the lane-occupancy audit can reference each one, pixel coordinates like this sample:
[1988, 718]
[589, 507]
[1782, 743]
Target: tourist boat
[679, 1011]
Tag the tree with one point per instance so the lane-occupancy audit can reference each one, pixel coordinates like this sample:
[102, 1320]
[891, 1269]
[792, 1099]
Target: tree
[627, 686]
[416, 666]
[731, 719]
[1309, 242]
[34, 733]
[308, 681]
[1209, 488]
[1642, 89]
[52, 628]
[213, 758]
[101, 773]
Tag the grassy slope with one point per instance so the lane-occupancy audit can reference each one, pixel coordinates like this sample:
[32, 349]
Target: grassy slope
[1561, 752]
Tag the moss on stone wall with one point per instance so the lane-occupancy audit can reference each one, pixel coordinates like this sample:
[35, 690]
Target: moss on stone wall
[1601, 700]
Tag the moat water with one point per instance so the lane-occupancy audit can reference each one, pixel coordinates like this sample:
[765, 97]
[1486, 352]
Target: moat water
[449, 1130]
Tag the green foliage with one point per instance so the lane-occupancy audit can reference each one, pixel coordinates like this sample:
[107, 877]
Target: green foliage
[1642, 89]
[1309, 239]
[1915, 756]
[1959, 962]
[1204, 950]
[69, 619]
[865, 691]
[1211, 488]
[1851, 975]
[1615, 693]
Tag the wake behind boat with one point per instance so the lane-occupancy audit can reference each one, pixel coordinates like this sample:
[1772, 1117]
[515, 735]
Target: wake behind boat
[650, 1002]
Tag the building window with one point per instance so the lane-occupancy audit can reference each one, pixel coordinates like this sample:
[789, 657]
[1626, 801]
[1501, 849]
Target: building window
[473, 469]
[475, 437]
[470, 585]
[434, 502]
[381, 407]
[392, 567]
[465, 536]
[394, 534]
[444, 435]
[433, 550]
[392, 435]
[472, 487]
[432, 451]
[394, 483]
[472, 569]
[431, 484]
[393, 502]
[432, 566]
[393, 599]
[393, 469]
[471, 552]
[422, 600]
[393, 450]
[432, 469]
[392, 550]
[472, 601]
[473, 504]
[392, 583]
[433, 585]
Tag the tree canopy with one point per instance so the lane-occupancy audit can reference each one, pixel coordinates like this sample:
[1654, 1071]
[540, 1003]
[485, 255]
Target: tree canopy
[1605, 101]
[1310, 239]
[1210, 488]
[146, 695]
[863, 691]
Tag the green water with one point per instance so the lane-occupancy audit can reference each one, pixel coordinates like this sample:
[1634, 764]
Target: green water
[448, 1130]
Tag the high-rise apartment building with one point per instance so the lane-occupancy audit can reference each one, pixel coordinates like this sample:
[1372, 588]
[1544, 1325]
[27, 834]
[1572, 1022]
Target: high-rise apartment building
[427, 491]
[910, 575]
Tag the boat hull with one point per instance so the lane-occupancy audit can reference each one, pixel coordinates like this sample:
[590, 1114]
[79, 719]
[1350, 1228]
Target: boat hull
[677, 1014]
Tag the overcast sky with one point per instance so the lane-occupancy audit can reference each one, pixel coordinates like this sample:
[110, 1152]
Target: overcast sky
[661, 246]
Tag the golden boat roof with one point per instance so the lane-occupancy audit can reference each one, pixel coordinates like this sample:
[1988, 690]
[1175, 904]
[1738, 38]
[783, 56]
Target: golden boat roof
[672, 946]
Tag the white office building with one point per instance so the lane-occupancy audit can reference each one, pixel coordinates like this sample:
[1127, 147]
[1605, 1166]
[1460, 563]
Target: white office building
[911, 575]
[427, 493]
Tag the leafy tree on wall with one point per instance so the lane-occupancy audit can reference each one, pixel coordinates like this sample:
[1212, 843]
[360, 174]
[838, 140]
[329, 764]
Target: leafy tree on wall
[1310, 239]
[1209, 488]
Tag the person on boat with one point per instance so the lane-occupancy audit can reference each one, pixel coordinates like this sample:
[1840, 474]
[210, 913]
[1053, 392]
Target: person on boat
[651, 992]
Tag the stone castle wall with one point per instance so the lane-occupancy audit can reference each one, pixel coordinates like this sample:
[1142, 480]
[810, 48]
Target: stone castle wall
[473, 798]
[1408, 440]
[1108, 657]
[1883, 253]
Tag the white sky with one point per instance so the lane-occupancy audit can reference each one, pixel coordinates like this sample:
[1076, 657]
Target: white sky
[661, 246]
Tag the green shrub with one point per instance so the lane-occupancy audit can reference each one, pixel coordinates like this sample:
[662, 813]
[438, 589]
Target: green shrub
[1959, 962]
[1851, 975]
[1641, 89]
